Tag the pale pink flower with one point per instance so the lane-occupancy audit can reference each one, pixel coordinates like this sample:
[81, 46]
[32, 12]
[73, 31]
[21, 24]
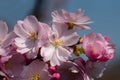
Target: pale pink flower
[73, 70]
[7, 50]
[3, 35]
[31, 36]
[6, 39]
[95, 69]
[73, 20]
[14, 66]
[7, 47]
[3, 31]
[57, 50]
[98, 48]
[37, 70]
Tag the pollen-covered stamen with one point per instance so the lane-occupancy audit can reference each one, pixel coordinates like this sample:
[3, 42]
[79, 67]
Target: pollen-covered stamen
[57, 43]
[35, 77]
[70, 25]
[33, 35]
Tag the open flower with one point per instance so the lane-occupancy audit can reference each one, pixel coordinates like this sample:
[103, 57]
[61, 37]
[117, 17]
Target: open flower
[98, 48]
[37, 70]
[6, 40]
[31, 36]
[3, 35]
[75, 20]
[3, 31]
[14, 66]
[57, 50]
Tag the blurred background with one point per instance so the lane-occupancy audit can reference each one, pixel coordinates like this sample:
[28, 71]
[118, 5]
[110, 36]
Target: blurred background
[104, 13]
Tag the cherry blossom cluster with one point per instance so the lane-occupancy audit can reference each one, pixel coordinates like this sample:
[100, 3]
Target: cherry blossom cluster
[37, 51]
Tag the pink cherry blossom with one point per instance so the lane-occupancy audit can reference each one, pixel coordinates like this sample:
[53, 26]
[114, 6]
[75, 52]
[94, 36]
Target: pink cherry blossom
[3, 31]
[73, 20]
[5, 42]
[6, 39]
[57, 50]
[37, 70]
[98, 48]
[3, 35]
[7, 47]
[31, 36]
[14, 66]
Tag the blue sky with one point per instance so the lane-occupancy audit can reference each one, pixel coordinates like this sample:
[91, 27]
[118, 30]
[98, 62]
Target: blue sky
[13, 10]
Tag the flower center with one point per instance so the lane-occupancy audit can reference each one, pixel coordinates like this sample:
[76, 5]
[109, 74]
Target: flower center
[94, 50]
[70, 25]
[33, 35]
[35, 77]
[57, 43]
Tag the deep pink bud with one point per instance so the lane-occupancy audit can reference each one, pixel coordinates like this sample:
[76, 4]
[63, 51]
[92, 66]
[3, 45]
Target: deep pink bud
[56, 76]
[52, 69]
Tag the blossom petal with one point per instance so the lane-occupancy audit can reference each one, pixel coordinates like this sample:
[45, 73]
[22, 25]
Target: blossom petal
[20, 42]
[70, 40]
[20, 31]
[54, 60]
[82, 26]
[32, 23]
[32, 54]
[23, 50]
[3, 29]
[8, 39]
[43, 34]
[61, 29]
[63, 54]
[47, 52]
[2, 52]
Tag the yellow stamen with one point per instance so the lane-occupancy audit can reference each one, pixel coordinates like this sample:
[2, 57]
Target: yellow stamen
[33, 35]
[57, 43]
[35, 77]
[70, 25]
[81, 40]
